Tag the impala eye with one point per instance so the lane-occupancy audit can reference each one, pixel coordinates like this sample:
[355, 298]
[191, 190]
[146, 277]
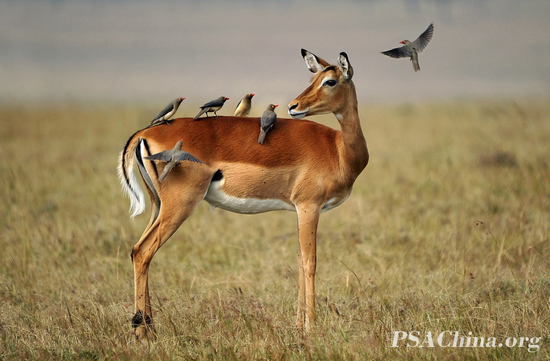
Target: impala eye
[330, 82]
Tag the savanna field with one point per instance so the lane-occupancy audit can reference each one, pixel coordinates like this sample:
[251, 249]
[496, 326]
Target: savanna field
[447, 229]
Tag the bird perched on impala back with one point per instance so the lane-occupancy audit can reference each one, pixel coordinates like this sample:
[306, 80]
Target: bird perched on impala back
[412, 48]
[172, 158]
[243, 108]
[268, 119]
[166, 113]
[212, 107]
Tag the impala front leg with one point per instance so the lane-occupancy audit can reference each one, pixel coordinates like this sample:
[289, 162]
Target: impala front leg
[308, 220]
[301, 293]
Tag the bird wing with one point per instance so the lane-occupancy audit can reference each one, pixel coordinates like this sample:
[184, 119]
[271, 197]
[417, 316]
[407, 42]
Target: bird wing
[213, 103]
[182, 156]
[401, 52]
[238, 105]
[164, 156]
[242, 109]
[268, 119]
[165, 111]
[424, 38]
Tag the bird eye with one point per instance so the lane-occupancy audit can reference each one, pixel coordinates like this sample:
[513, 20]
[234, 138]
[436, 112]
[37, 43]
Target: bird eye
[330, 82]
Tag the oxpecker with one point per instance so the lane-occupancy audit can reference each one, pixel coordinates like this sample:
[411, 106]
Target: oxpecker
[243, 108]
[412, 48]
[172, 158]
[212, 107]
[165, 114]
[268, 119]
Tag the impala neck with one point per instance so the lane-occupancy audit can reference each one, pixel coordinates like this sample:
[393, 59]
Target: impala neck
[354, 154]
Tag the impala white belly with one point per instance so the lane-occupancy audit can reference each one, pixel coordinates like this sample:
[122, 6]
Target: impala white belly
[218, 198]
[333, 203]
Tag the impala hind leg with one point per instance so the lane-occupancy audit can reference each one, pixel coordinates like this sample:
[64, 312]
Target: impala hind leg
[308, 220]
[179, 197]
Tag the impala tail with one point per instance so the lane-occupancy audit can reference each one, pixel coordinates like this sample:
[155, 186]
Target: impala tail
[134, 149]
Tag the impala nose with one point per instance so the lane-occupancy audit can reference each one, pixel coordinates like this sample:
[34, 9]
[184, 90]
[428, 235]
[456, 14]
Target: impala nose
[297, 114]
[292, 106]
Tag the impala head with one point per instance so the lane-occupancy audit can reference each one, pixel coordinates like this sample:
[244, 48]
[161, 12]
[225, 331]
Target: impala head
[330, 89]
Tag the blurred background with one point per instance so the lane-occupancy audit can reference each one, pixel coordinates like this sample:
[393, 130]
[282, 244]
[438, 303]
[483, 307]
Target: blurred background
[153, 51]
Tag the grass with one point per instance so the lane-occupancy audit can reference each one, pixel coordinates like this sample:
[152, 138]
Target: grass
[448, 229]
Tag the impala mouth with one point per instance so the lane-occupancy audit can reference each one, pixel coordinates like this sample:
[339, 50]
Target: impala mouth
[297, 114]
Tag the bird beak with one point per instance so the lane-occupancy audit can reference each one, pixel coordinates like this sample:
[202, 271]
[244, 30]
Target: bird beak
[226, 98]
[401, 42]
[252, 94]
[275, 105]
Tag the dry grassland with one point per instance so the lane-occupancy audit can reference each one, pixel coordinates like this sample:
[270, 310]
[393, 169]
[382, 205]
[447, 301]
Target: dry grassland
[447, 229]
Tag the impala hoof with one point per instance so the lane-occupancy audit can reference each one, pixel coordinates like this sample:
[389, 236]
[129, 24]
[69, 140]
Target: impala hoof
[144, 331]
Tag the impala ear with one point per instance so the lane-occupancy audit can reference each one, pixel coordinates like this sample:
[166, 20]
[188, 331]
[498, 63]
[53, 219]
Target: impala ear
[345, 66]
[313, 62]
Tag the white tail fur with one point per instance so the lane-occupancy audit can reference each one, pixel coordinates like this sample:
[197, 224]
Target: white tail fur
[129, 183]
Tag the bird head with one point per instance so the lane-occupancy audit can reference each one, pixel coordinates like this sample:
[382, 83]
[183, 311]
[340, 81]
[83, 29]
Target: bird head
[181, 99]
[404, 42]
[273, 106]
[250, 95]
[225, 98]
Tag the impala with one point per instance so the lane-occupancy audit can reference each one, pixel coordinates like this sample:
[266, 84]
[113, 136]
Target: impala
[303, 167]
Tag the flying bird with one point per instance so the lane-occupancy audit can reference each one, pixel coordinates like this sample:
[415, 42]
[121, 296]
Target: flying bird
[268, 119]
[164, 115]
[212, 107]
[172, 158]
[243, 108]
[412, 48]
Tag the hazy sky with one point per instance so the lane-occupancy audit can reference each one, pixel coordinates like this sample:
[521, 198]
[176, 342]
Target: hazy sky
[157, 50]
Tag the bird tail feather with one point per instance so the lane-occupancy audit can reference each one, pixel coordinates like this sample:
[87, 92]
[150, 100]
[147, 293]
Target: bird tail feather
[261, 138]
[167, 168]
[414, 59]
[203, 110]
